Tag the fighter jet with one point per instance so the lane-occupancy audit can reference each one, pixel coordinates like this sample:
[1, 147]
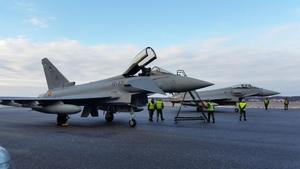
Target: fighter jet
[124, 93]
[225, 96]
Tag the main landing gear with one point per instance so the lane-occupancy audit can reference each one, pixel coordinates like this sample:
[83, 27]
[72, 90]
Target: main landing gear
[62, 119]
[109, 116]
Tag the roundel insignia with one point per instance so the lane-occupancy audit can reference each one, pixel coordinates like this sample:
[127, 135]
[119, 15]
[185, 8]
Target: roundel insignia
[49, 93]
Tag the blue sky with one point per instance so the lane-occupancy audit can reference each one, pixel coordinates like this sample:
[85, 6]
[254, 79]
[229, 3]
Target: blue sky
[224, 42]
[141, 22]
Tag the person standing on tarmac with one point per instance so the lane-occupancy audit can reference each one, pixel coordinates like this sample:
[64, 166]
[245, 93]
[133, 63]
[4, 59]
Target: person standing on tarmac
[286, 103]
[159, 105]
[210, 111]
[151, 109]
[266, 102]
[242, 106]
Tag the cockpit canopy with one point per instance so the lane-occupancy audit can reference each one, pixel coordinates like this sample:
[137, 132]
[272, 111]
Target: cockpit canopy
[243, 86]
[141, 60]
[156, 70]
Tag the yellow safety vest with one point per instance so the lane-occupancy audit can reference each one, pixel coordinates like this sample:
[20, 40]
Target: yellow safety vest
[151, 106]
[210, 106]
[267, 101]
[286, 102]
[243, 105]
[159, 105]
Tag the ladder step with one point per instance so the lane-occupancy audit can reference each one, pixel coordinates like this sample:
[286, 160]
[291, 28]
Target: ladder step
[188, 118]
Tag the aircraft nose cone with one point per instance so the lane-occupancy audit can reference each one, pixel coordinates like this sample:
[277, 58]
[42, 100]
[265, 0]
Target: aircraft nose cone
[266, 92]
[188, 84]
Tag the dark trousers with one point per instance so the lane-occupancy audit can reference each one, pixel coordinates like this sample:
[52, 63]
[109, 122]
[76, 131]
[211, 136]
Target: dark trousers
[243, 113]
[266, 106]
[212, 114]
[159, 113]
[286, 106]
[151, 115]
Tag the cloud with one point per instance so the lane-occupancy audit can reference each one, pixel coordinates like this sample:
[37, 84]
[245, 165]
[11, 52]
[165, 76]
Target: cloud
[38, 22]
[32, 14]
[269, 59]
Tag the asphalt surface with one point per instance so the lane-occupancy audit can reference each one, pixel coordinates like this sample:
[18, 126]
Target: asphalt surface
[268, 140]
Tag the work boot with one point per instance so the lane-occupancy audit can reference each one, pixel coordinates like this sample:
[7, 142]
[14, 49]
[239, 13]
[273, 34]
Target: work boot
[65, 125]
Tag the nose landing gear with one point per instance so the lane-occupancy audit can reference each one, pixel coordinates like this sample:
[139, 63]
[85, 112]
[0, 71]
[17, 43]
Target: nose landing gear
[132, 121]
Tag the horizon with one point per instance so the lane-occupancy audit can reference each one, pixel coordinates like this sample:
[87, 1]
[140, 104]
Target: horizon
[223, 42]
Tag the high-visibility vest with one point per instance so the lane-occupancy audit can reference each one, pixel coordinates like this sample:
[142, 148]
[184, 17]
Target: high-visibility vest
[159, 104]
[243, 105]
[267, 101]
[151, 106]
[210, 106]
[286, 101]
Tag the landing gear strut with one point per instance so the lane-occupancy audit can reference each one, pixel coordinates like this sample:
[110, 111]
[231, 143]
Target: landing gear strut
[62, 119]
[132, 121]
[109, 116]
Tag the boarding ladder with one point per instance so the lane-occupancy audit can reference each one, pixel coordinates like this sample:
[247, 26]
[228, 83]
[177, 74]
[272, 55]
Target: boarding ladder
[197, 101]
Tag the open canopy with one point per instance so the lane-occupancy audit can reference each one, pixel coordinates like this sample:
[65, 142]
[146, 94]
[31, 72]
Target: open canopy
[141, 60]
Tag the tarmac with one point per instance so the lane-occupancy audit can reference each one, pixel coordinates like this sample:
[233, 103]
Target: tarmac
[268, 140]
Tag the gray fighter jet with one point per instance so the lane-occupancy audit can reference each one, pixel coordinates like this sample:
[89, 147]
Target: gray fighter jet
[225, 96]
[124, 93]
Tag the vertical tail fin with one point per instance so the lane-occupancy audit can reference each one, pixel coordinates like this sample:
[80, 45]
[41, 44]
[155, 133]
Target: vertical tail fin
[55, 79]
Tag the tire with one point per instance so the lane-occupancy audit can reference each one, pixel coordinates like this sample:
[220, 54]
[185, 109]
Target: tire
[132, 123]
[109, 116]
[61, 119]
[236, 110]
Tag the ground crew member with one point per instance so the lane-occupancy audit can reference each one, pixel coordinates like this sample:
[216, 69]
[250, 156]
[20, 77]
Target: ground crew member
[286, 103]
[151, 109]
[242, 106]
[210, 111]
[159, 109]
[267, 102]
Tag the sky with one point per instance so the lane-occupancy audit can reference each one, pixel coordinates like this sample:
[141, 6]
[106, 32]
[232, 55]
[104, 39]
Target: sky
[225, 42]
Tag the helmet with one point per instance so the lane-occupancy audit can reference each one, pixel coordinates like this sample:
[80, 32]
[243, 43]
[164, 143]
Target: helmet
[4, 159]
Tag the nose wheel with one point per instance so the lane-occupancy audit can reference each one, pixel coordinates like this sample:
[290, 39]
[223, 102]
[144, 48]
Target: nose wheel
[236, 110]
[132, 121]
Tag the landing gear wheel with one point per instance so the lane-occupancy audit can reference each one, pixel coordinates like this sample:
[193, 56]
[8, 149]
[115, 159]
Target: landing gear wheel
[132, 123]
[236, 110]
[109, 116]
[62, 119]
